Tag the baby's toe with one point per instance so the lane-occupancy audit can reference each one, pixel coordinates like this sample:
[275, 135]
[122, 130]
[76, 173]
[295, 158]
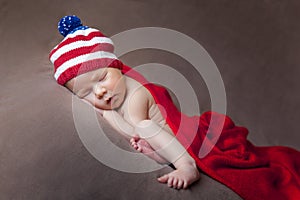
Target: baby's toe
[163, 179]
[185, 184]
[170, 181]
[175, 181]
[179, 184]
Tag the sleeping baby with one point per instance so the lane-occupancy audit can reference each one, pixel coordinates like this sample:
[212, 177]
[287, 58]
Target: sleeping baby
[85, 64]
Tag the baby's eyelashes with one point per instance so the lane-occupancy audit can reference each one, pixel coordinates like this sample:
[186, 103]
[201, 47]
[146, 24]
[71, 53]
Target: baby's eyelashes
[103, 78]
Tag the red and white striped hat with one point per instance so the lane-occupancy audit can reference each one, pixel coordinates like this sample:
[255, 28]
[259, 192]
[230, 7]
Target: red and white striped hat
[82, 50]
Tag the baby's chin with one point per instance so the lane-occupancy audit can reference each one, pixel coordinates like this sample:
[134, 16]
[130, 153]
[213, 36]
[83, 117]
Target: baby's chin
[117, 102]
[114, 104]
[110, 107]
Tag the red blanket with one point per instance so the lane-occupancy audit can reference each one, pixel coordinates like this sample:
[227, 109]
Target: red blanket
[252, 172]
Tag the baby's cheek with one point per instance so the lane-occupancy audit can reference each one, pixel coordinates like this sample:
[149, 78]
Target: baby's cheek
[95, 102]
[99, 104]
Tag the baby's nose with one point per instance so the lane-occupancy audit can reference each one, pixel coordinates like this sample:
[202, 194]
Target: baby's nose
[99, 91]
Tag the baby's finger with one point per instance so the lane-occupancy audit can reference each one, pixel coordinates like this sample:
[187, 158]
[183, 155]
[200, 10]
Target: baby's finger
[139, 149]
[136, 137]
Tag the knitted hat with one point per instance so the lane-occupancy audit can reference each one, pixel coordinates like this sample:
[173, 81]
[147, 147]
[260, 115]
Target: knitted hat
[82, 50]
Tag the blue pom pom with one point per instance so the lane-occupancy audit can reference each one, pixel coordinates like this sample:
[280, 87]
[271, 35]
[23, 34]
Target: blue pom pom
[67, 24]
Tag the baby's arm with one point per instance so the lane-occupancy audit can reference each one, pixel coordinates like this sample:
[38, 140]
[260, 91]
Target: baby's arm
[167, 145]
[119, 123]
[123, 127]
[159, 139]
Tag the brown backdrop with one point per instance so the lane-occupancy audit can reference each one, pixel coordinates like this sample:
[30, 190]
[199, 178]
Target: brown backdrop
[255, 45]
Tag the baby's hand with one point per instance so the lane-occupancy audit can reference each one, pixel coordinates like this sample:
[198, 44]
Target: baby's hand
[134, 141]
[141, 145]
[144, 147]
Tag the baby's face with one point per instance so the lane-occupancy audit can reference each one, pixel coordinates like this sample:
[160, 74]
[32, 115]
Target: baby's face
[104, 88]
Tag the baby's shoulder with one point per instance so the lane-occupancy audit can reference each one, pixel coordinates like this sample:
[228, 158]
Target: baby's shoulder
[137, 93]
[141, 96]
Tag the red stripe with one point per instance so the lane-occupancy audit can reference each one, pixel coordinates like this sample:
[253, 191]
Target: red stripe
[81, 51]
[86, 67]
[77, 38]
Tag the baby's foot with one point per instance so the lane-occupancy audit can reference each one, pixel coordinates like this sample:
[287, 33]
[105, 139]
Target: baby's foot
[144, 147]
[182, 177]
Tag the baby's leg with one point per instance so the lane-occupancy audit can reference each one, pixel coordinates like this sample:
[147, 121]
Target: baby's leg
[144, 147]
[168, 147]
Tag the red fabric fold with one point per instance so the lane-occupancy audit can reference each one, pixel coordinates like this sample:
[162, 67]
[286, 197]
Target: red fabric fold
[252, 172]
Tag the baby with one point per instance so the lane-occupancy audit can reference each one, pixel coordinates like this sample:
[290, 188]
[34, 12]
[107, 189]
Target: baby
[84, 63]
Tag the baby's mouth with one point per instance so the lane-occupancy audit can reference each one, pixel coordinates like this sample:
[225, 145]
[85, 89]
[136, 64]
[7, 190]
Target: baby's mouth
[110, 99]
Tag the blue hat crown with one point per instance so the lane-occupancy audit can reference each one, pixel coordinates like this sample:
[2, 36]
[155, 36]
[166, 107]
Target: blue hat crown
[69, 24]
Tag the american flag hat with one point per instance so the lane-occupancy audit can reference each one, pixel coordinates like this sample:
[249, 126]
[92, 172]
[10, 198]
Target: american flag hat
[82, 50]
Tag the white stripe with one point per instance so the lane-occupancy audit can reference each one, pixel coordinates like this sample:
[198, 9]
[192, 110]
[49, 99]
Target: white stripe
[84, 32]
[78, 44]
[83, 58]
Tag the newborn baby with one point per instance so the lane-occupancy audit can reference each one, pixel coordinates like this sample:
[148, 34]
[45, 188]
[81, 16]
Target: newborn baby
[84, 63]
